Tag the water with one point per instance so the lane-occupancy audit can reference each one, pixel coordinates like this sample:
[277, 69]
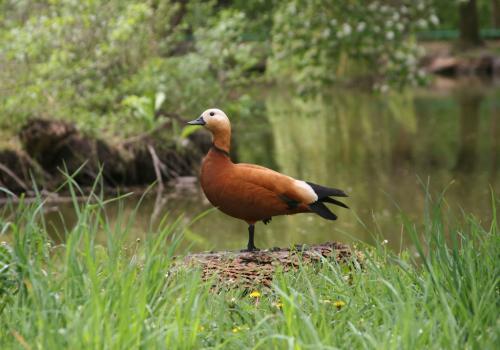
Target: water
[382, 150]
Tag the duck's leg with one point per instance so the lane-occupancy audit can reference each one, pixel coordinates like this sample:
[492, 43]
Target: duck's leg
[251, 245]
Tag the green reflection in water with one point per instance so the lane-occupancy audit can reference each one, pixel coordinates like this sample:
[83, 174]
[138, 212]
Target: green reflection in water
[377, 148]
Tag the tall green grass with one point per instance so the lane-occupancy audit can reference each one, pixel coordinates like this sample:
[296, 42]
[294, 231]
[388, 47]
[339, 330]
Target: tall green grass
[442, 293]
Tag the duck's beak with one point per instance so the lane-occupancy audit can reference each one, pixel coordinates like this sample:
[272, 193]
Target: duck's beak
[197, 121]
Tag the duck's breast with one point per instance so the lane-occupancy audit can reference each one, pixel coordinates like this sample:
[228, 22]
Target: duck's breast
[214, 170]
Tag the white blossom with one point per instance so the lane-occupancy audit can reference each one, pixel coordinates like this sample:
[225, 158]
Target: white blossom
[346, 28]
[434, 19]
[399, 55]
[410, 60]
[361, 26]
[389, 35]
[422, 23]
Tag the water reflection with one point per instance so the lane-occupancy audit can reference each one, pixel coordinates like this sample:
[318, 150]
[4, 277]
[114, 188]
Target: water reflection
[469, 125]
[380, 149]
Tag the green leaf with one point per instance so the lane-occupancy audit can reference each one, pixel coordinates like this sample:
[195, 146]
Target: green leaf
[188, 130]
[159, 99]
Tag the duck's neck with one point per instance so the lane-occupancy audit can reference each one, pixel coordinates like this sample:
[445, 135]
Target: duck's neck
[222, 139]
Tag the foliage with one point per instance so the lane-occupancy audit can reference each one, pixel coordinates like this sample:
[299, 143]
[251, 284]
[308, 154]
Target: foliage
[145, 108]
[229, 56]
[318, 41]
[84, 61]
[67, 57]
[8, 276]
[88, 61]
[121, 293]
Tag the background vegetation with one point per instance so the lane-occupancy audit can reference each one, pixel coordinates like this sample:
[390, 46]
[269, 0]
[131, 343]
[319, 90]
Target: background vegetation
[103, 64]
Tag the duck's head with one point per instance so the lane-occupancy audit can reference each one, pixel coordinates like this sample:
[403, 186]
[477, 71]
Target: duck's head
[213, 119]
[217, 122]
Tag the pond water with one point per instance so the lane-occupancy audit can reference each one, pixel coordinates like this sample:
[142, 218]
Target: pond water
[382, 150]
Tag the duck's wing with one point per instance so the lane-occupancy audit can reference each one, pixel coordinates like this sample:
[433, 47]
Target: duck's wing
[293, 192]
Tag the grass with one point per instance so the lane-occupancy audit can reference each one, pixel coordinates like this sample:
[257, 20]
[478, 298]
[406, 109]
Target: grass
[443, 294]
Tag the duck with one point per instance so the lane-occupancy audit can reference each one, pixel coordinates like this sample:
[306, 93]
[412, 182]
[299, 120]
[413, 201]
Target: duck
[254, 193]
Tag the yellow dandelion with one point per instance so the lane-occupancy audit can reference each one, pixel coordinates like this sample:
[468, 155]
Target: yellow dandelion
[236, 329]
[255, 294]
[339, 304]
[201, 329]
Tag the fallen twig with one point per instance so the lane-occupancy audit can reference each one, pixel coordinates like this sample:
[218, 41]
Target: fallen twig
[14, 176]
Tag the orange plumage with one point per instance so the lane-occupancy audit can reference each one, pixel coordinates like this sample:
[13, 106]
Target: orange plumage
[250, 192]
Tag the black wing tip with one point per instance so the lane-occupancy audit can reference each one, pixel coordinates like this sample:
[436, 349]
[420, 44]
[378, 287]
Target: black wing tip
[322, 210]
[333, 201]
[323, 191]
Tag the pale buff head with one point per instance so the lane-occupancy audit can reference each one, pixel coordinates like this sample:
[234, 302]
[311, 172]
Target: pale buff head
[217, 122]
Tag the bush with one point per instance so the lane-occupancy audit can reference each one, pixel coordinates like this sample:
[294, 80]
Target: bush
[320, 41]
[81, 60]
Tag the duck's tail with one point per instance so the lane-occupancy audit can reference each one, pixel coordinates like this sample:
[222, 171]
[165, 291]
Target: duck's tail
[324, 194]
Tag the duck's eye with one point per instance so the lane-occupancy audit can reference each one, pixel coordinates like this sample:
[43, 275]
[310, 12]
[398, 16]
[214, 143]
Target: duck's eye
[212, 114]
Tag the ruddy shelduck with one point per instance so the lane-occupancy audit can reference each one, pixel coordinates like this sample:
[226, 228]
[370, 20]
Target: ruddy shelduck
[251, 192]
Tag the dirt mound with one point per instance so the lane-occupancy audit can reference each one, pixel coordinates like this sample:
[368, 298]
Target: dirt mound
[251, 269]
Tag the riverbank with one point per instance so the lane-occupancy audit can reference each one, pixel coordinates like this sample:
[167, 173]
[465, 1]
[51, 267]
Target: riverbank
[440, 293]
[49, 150]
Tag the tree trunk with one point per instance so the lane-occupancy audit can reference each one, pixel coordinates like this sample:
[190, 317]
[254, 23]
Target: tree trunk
[495, 13]
[469, 25]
